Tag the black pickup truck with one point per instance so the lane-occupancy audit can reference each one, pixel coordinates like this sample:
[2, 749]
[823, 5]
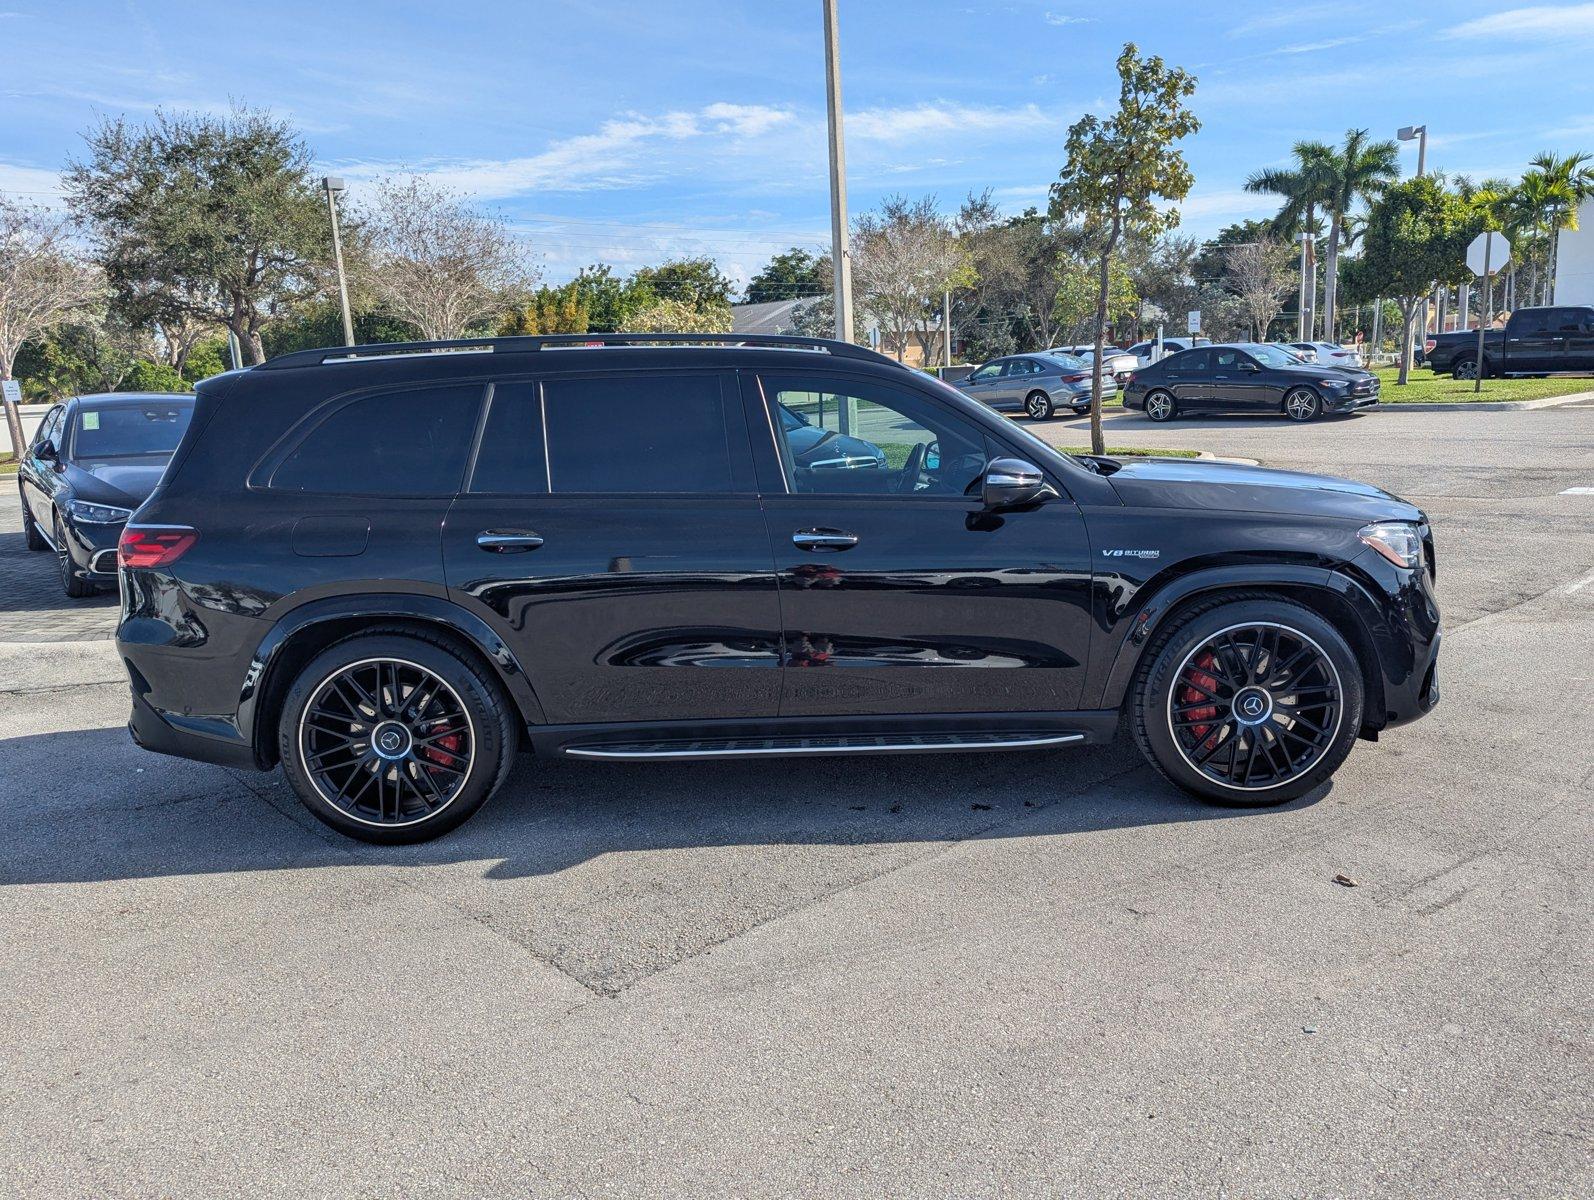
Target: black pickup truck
[1535, 341]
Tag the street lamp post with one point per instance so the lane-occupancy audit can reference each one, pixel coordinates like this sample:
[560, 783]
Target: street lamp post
[1407, 133]
[840, 257]
[332, 185]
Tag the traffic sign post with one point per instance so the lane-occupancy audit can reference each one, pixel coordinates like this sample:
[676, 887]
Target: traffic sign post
[1480, 257]
[11, 395]
[1192, 322]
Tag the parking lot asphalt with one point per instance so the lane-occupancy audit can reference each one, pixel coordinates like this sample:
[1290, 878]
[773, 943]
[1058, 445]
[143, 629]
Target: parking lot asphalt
[986, 975]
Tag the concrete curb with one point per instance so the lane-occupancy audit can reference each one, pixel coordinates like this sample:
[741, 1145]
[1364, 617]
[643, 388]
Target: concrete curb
[1483, 405]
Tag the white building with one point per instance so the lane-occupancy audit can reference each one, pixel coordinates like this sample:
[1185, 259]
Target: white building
[1574, 261]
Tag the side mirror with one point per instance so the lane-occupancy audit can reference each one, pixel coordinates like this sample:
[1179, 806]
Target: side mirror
[1249, 366]
[45, 451]
[1012, 483]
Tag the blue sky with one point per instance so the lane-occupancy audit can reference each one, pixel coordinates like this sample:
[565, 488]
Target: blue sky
[627, 132]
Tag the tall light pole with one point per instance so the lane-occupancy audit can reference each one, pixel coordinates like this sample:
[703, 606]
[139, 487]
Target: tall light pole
[840, 256]
[1420, 132]
[332, 185]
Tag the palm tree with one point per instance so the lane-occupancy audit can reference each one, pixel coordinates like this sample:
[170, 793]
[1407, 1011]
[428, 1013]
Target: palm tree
[1305, 187]
[1358, 170]
[1567, 181]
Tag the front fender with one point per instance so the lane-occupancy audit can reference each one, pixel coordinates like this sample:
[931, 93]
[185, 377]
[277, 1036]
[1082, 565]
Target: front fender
[1127, 638]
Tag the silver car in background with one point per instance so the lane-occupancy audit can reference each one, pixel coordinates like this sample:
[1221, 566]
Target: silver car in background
[1119, 364]
[1035, 384]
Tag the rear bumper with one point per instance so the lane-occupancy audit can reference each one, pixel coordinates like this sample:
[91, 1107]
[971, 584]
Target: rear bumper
[206, 739]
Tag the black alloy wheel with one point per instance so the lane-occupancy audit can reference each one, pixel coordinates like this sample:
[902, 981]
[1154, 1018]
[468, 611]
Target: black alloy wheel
[387, 741]
[74, 587]
[1248, 701]
[1255, 706]
[1466, 368]
[394, 738]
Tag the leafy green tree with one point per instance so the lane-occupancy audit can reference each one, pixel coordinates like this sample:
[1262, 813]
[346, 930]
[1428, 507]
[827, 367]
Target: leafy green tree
[207, 217]
[206, 358]
[148, 376]
[788, 276]
[1119, 174]
[318, 323]
[608, 299]
[695, 282]
[1416, 237]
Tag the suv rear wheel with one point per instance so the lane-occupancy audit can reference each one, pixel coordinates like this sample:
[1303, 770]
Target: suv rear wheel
[1248, 702]
[394, 738]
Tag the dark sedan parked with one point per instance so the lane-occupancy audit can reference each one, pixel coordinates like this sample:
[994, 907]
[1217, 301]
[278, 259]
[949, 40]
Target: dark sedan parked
[93, 460]
[1248, 377]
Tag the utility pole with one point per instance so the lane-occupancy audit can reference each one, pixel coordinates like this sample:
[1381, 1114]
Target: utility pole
[840, 256]
[332, 185]
[1300, 303]
[1420, 132]
[946, 325]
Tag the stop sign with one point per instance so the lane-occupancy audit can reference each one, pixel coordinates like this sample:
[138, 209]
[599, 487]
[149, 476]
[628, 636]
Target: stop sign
[1498, 253]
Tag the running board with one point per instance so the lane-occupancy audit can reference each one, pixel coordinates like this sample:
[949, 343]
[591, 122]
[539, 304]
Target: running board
[891, 743]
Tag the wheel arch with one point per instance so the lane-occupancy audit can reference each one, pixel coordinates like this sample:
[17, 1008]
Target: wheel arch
[1318, 589]
[304, 632]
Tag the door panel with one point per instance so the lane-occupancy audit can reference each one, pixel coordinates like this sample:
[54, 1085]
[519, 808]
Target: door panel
[1235, 386]
[1530, 343]
[1188, 379]
[652, 605]
[910, 598]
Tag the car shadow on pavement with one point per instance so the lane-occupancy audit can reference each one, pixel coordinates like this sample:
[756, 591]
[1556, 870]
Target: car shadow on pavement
[87, 806]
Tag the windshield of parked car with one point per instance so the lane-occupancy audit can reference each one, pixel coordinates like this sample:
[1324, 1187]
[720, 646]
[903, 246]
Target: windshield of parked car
[1274, 356]
[126, 430]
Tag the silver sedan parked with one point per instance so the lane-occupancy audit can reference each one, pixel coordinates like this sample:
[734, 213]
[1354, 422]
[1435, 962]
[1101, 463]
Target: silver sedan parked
[1035, 384]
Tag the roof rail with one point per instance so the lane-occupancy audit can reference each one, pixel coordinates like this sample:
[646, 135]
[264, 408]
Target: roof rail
[570, 341]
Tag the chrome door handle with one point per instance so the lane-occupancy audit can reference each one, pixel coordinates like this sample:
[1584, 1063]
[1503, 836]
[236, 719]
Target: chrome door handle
[507, 541]
[823, 539]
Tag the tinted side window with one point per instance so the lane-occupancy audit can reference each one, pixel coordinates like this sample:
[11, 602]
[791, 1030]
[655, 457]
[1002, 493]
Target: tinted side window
[1529, 324]
[512, 458]
[895, 442]
[641, 433]
[1190, 360]
[409, 443]
[1567, 320]
[1227, 360]
[50, 428]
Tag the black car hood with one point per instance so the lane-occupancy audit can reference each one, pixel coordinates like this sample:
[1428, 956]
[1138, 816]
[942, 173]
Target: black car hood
[1202, 483]
[1328, 371]
[125, 482]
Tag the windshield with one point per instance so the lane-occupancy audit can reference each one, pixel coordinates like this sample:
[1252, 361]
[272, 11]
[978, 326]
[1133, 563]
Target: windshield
[126, 430]
[1273, 356]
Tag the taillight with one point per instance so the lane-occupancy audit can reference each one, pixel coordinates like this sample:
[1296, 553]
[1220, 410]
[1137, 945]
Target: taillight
[1075, 378]
[1428, 345]
[154, 545]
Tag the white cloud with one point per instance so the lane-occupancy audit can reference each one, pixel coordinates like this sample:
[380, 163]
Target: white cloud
[1288, 18]
[1053, 18]
[624, 152]
[1231, 202]
[1325, 44]
[907, 124]
[1533, 23]
[31, 185]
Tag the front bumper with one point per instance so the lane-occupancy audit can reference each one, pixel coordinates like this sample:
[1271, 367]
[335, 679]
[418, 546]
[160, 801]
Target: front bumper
[91, 547]
[1399, 614]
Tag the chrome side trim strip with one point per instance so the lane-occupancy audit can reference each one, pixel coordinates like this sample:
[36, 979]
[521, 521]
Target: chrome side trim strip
[630, 752]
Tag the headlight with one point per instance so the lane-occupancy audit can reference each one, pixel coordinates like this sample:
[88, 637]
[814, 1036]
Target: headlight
[1395, 540]
[98, 514]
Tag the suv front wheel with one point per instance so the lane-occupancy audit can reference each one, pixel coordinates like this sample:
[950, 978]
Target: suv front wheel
[1248, 702]
[394, 738]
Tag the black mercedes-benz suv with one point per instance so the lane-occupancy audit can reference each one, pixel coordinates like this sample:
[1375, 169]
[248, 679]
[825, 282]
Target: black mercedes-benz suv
[390, 567]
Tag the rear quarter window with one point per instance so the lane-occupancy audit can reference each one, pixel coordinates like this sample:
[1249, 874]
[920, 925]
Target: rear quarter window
[413, 442]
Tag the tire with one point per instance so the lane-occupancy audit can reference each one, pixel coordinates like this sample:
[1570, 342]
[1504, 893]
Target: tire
[1302, 404]
[1465, 368]
[1305, 723]
[1161, 406]
[77, 589]
[1039, 406]
[423, 788]
[30, 528]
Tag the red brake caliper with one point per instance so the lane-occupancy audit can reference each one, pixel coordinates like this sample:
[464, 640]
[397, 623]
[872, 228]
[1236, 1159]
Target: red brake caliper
[445, 750]
[1198, 675]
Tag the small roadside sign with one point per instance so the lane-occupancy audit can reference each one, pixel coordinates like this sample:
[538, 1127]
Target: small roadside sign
[1488, 253]
[1192, 321]
[11, 391]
